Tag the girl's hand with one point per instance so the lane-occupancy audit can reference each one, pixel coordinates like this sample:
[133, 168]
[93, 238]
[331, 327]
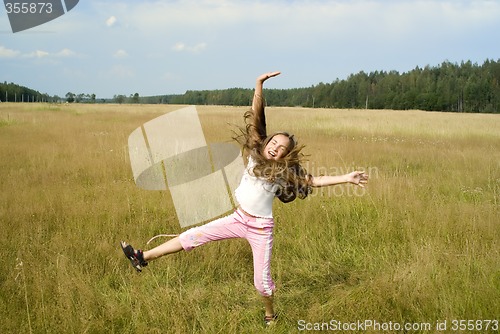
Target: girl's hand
[357, 177]
[265, 76]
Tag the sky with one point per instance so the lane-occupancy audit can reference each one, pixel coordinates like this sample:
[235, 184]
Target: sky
[169, 46]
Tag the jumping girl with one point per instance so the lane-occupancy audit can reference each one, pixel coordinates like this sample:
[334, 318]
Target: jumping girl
[273, 169]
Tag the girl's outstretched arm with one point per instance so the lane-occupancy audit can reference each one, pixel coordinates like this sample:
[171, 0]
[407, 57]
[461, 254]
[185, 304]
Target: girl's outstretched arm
[357, 177]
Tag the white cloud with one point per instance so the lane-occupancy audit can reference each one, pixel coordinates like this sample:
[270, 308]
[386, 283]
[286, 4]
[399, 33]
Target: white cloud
[120, 54]
[111, 21]
[44, 54]
[180, 47]
[8, 53]
[36, 54]
[65, 53]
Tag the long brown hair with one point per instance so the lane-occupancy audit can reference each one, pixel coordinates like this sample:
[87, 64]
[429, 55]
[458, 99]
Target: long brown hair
[287, 172]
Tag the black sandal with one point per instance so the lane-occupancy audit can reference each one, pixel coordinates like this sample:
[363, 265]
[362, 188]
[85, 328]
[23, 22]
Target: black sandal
[136, 257]
[270, 319]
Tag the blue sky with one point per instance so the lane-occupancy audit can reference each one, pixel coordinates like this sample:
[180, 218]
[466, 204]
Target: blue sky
[167, 47]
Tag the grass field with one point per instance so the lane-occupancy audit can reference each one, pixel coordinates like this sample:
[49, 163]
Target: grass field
[420, 245]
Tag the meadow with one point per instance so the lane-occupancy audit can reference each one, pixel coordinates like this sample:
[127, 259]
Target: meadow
[420, 245]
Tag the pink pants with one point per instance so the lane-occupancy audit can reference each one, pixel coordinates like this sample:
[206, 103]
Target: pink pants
[258, 232]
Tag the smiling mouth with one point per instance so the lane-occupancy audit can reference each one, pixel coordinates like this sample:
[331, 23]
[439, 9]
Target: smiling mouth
[272, 154]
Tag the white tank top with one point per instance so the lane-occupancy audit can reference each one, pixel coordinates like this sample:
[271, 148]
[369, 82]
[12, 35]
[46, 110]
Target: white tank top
[255, 195]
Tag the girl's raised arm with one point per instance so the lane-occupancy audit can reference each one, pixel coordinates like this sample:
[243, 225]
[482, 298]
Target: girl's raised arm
[258, 118]
[258, 101]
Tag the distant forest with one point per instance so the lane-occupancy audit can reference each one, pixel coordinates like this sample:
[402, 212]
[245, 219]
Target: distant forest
[464, 87]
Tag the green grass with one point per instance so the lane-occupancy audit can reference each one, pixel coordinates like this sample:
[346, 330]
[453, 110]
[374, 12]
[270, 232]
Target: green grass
[419, 244]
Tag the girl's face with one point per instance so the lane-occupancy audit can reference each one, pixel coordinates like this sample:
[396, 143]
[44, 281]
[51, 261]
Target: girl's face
[277, 147]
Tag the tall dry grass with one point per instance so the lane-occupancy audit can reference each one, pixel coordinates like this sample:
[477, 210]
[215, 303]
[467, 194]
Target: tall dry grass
[419, 244]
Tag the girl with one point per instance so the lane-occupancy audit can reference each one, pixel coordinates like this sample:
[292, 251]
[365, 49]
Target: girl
[273, 169]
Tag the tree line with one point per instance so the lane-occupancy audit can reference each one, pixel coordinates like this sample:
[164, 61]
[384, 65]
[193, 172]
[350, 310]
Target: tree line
[10, 92]
[453, 87]
[464, 87]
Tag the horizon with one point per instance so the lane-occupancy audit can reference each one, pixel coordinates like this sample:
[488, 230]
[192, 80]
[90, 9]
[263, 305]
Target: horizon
[250, 88]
